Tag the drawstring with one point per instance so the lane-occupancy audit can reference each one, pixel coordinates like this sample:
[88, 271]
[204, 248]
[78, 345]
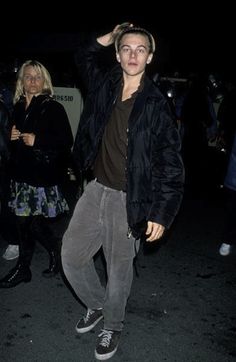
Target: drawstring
[136, 258]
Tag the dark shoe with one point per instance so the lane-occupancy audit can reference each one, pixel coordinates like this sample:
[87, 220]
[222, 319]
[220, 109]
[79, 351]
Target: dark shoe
[17, 275]
[53, 268]
[107, 344]
[88, 322]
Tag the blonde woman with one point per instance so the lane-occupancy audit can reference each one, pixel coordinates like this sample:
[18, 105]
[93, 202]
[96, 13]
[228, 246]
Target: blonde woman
[41, 140]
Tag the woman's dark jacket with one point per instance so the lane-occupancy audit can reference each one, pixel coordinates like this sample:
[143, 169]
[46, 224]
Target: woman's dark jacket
[154, 172]
[44, 164]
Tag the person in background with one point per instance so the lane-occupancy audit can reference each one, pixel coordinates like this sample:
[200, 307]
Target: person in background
[41, 141]
[196, 118]
[7, 225]
[229, 230]
[4, 148]
[6, 95]
[127, 135]
[226, 116]
[227, 131]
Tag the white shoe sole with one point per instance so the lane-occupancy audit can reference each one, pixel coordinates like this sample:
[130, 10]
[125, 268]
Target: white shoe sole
[225, 250]
[89, 328]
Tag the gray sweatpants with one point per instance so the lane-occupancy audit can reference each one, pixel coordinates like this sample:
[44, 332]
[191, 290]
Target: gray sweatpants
[100, 220]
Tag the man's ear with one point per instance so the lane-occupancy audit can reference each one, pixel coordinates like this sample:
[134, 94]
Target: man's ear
[118, 57]
[149, 59]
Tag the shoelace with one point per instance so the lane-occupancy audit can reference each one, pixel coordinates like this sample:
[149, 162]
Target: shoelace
[88, 315]
[13, 275]
[106, 337]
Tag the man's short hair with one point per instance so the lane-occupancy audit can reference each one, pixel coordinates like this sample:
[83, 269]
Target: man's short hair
[135, 30]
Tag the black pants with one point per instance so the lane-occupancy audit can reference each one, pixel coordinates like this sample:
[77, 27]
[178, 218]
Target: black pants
[8, 227]
[32, 229]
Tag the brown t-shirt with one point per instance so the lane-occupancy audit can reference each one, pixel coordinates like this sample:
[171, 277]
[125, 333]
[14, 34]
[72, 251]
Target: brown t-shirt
[110, 164]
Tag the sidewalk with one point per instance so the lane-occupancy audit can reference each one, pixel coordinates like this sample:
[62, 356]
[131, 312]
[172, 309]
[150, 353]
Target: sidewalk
[181, 308]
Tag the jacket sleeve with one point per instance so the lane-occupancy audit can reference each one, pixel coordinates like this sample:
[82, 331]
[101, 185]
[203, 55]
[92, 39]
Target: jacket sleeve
[167, 170]
[57, 133]
[90, 64]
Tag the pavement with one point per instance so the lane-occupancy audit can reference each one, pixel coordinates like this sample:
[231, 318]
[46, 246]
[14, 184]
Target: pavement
[181, 307]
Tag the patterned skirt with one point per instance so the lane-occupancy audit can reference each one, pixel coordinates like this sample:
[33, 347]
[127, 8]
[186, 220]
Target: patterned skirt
[27, 200]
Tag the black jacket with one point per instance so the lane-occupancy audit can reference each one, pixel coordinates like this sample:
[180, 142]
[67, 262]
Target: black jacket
[155, 174]
[4, 131]
[4, 145]
[46, 162]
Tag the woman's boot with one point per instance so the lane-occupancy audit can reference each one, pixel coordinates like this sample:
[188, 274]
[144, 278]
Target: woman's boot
[54, 265]
[43, 231]
[21, 273]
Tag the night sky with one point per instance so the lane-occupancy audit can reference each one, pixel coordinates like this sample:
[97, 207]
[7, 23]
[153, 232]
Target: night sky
[189, 39]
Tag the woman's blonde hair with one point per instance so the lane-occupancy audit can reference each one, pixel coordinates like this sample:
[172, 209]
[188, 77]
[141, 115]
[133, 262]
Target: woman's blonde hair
[39, 68]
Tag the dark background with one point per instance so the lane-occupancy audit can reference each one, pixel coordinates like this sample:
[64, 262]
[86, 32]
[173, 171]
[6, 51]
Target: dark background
[190, 38]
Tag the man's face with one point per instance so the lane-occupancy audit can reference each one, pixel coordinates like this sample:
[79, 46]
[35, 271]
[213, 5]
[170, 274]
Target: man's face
[134, 53]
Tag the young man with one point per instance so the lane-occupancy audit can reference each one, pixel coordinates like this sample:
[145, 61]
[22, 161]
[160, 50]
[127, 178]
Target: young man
[129, 139]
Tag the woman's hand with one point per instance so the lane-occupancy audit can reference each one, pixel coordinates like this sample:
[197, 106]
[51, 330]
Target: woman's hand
[28, 138]
[15, 134]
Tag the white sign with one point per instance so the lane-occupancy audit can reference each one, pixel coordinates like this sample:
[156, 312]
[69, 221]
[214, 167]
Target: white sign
[72, 101]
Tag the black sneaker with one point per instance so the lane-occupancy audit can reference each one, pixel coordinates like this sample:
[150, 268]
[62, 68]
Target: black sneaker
[107, 344]
[88, 322]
